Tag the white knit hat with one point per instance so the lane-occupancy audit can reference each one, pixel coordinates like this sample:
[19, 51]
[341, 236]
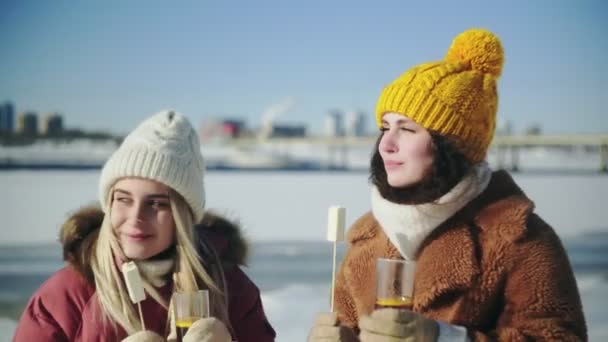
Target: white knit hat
[164, 148]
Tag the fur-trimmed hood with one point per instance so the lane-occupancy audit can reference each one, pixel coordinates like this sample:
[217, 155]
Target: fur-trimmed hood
[78, 235]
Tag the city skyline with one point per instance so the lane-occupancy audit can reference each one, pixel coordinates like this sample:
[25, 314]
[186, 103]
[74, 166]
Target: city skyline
[105, 66]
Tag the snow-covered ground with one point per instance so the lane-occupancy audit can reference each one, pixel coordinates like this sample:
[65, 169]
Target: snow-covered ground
[278, 206]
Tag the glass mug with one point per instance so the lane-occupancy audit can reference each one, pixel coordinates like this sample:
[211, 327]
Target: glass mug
[394, 283]
[188, 307]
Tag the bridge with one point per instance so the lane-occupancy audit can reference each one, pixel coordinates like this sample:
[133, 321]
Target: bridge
[507, 148]
[514, 144]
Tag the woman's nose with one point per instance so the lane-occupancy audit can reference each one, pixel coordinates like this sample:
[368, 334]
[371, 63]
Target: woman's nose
[388, 143]
[138, 212]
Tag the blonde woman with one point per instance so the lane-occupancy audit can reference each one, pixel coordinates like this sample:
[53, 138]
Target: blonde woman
[152, 212]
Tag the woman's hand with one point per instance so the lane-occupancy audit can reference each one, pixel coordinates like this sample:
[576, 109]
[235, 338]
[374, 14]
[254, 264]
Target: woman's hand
[144, 336]
[208, 330]
[392, 325]
[328, 329]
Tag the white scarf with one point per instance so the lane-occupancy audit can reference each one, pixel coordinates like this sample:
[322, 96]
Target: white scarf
[407, 226]
[156, 272]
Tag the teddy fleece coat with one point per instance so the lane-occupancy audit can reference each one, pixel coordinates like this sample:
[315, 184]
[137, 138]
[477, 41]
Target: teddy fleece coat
[495, 268]
[65, 307]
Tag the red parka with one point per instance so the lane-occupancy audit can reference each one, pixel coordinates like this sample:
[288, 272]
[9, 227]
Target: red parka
[65, 307]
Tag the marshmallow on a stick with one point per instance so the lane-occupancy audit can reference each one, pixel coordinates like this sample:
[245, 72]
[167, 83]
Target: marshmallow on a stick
[335, 223]
[135, 286]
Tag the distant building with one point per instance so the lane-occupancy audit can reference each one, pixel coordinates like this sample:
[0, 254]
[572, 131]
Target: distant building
[222, 129]
[52, 125]
[7, 117]
[232, 128]
[288, 131]
[533, 129]
[27, 123]
[334, 124]
[355, 124]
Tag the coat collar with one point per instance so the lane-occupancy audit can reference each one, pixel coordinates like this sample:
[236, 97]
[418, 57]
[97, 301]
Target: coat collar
[448, 260]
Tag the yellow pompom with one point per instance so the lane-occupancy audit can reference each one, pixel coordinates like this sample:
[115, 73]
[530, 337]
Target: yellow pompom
[480, 49]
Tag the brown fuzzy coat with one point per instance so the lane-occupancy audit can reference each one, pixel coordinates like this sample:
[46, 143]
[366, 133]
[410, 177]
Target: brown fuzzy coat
[495, 267]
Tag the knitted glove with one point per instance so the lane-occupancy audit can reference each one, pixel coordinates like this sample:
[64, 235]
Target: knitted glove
[328, 329]
[208, 330]
[144, 336]
[392, 325]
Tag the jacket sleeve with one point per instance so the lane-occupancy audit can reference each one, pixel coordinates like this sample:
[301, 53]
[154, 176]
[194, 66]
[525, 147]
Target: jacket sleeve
[37, 324]
[54, 311]
[541, 299]
[246, 311]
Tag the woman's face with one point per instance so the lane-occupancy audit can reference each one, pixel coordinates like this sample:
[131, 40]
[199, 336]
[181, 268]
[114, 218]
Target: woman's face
[406, 149]
[142, 217]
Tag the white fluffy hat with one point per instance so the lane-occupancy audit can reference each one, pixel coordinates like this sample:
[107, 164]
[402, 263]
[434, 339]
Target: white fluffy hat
[164, 148]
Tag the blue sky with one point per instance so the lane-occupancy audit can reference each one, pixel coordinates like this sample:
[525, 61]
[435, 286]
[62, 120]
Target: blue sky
[109, 64]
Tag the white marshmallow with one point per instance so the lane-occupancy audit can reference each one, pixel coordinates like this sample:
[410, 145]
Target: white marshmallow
[335, 223]
[135, 286]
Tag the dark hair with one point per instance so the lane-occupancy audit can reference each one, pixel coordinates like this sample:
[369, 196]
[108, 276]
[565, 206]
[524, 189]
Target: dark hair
[449, 167]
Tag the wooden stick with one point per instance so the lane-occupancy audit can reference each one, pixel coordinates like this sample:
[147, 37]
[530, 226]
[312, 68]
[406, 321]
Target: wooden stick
[333, 278]
[335, 232]
[141, 316]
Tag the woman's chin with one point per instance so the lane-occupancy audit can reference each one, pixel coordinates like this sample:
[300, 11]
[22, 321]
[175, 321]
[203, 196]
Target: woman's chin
[137, 252]
[398, 182]
[401, 181]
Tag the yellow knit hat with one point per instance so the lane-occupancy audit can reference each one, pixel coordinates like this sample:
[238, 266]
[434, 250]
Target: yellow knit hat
[456, 97]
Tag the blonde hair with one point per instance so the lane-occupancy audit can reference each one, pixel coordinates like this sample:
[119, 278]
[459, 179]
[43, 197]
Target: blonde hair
[116, 306]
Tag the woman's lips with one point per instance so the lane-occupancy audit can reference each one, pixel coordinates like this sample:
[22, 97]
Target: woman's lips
[137, 236]
[391, 164]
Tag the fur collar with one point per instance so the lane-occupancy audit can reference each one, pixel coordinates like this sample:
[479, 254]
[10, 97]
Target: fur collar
[215, 234]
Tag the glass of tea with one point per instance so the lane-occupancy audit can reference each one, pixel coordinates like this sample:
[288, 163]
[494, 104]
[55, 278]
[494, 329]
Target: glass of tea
[188, 307]
[394, 283]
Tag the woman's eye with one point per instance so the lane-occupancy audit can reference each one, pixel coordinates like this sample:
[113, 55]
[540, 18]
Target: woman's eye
[383, 129]
[405, 129]
[159, 204]
[122, 199]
